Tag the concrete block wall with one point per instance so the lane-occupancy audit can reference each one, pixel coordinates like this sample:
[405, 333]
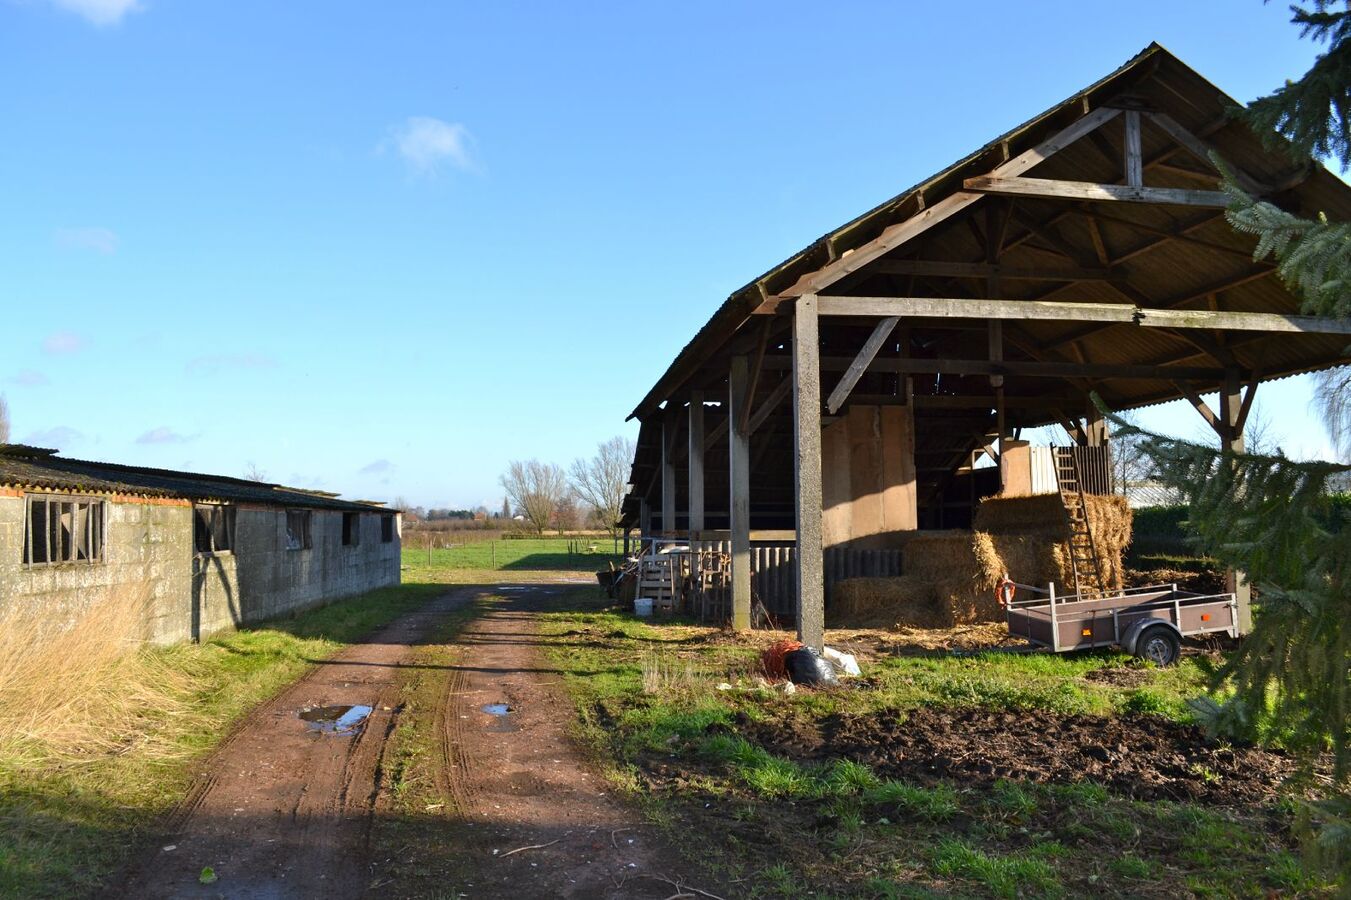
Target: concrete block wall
[149, 557]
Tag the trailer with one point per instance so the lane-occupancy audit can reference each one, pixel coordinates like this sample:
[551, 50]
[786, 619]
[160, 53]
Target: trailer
[1148, 622]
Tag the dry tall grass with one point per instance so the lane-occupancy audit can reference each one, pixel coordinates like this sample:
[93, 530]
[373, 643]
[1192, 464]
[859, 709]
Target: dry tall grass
[83, 685]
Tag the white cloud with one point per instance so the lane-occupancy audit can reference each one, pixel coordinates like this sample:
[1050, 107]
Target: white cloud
[427, 144]
[60, 437]
[60, 342]
[99, 240]
[30, 378]
[375, 468]
[99, 12]
[211, 365]
[165, 435]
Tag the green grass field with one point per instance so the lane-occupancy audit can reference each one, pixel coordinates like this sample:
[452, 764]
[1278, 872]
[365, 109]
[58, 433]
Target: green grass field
[534, 555]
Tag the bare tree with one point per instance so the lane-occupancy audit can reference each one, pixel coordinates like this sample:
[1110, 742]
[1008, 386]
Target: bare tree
[568, 515]
[602, 480]
[1332, 394]
[536, 489]
[253, 473]
[1130, 466]
[4, 420]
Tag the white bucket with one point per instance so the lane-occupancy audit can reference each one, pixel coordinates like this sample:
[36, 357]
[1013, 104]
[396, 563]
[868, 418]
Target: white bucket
[642, 606]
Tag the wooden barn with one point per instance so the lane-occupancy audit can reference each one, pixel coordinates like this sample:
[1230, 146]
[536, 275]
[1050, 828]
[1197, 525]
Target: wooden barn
[844, 398]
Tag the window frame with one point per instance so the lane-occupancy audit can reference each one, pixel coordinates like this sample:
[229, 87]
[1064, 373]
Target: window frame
[307, 530]
[227, 514]
[87, 534]
[387, 529]
[351, 529]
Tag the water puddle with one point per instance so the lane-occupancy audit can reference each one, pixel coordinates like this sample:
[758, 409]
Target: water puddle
[335, 719]
[500, 712]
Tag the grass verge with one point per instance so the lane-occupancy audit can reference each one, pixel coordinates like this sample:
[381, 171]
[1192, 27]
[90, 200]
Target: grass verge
[70, 820]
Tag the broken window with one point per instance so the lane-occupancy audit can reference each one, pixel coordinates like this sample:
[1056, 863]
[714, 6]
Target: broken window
[298, 529]
[386, 529]
[351, 529]
[62, 529]
[213, 527]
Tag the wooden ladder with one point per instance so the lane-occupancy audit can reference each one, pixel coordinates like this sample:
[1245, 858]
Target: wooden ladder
[1084, 559]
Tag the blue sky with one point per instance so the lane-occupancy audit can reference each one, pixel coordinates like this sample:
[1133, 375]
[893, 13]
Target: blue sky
[381, 248]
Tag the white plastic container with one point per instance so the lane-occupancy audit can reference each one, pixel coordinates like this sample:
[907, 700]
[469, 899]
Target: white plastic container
[642, 606]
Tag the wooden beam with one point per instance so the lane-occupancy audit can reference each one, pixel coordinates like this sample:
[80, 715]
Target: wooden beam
[1053, 189]
[755, 371]
[1021, 368]
[767, 405]
[895, 235]
[945, 269]
[1063, 311]
[811, 597]
[1200, 406]
[668, 477]
[739, 493]
[695, 468]
[1202, 151]
[860, 364]
[1246, 406]
[1135, 160]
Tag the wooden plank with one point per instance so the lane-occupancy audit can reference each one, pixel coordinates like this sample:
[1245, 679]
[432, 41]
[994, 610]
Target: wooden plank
[1135, 160]
[739, 493]
[755, 372]
[696, 462]
[945, 269]
[811, 610]
[861, 362]
[1054, 189]
[895, 235]
[1076, 311]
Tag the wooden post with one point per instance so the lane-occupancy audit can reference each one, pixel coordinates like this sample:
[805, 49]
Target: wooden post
[696, 463]
[644, 519]
[811, 600]
[1095, 426]
[739, 495]
[1231, 440]
[668, 472]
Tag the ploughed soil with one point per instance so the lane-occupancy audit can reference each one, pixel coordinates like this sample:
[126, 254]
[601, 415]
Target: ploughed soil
[1144, 757]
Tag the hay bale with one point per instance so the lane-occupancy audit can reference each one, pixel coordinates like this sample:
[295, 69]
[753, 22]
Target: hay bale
[1030, 536]
[883, 603]
[937, 554]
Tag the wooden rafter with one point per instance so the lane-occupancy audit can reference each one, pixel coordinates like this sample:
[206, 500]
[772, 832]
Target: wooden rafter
[1055, 189]
[861, 362]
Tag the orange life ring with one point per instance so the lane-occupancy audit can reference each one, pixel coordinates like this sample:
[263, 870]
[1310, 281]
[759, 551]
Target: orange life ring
[1005, 592]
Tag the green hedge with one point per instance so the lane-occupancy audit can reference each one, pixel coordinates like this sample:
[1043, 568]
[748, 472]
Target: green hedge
[1163, 531]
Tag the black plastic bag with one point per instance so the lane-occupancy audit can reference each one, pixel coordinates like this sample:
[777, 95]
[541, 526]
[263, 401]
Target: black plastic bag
[805, 667]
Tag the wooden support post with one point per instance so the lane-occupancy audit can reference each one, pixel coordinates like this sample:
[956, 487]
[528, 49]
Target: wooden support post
[811, 600]
[1135, 160]
[644, 519]
[1095, 426]
[1232, 412]
[696, 463]
[668, 472]
[739, 499]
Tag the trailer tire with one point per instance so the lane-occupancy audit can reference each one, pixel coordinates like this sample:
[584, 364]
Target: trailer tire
[1159, 644]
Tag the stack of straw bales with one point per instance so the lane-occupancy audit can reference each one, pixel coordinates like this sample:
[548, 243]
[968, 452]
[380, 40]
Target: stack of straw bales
[950, 576]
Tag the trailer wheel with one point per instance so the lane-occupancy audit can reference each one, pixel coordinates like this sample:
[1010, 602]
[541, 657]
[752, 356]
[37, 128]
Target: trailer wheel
[1159, 645]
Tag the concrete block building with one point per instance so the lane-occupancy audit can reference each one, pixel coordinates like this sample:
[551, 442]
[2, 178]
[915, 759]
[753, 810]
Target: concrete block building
[205, 553]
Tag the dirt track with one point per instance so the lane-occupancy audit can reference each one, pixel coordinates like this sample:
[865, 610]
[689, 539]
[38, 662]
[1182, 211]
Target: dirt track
[285, 811]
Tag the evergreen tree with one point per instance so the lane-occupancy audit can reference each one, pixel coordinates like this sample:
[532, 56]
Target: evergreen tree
[1268, 516]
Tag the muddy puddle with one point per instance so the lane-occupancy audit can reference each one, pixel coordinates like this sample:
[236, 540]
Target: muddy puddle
[501, 715]
[335, 719]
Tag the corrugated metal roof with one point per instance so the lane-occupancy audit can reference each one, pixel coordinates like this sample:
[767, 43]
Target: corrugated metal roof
[42, 469]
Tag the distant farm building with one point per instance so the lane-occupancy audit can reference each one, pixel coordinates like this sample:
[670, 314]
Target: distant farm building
[875, 385]
[206, 553]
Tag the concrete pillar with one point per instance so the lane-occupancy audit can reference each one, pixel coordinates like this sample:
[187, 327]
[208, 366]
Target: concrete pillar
[696, 463]
[811, 599]
[739, 495]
